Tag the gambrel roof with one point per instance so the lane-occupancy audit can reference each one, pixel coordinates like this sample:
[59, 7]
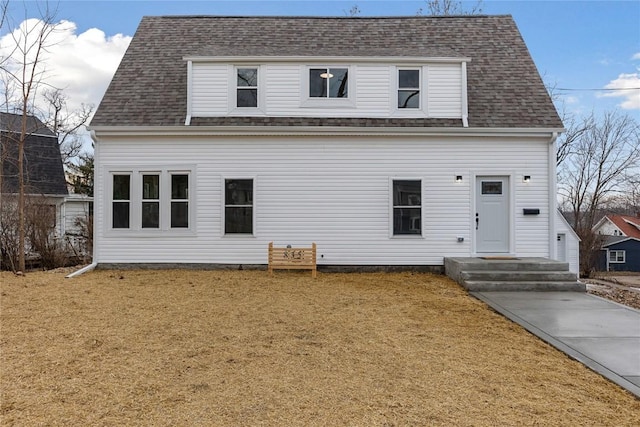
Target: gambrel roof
[504, 87]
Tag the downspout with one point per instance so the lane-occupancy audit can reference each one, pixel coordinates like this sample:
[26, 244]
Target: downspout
[187, 120]
[553, 196]
[465, 102]
[94, 261]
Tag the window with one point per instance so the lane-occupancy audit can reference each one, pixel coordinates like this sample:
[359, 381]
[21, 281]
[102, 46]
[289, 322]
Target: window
[247, 88]
[238, 207]
[151, 201]
[407, 207]
[408, 88]
[179, 201]
[617, 257]
[329, 83]
[121, 201]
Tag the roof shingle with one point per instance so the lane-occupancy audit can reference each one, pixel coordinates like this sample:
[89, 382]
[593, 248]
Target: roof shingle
[504, 87]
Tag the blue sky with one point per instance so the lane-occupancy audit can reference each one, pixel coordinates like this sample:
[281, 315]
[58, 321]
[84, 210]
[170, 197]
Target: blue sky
[584, 46]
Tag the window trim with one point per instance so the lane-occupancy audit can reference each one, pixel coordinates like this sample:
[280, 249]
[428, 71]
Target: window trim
[307, 101]
[223, 206]
[392, 235]
[135, 201]
[233, 89]
[420, 89]
[617, 252]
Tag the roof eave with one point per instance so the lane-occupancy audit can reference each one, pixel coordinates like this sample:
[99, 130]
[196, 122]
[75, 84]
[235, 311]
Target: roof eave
[317, 130]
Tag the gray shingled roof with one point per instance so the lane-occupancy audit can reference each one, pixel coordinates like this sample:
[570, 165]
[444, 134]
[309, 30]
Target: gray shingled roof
[44, 173]
[504, 87]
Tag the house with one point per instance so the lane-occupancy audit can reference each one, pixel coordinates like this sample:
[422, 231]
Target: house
[621, 243]
[387, 141]
[45, 184]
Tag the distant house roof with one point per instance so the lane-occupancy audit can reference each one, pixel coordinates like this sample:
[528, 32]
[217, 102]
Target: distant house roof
[628, 225]
[504, 87]
[44, 172]
[614, 240]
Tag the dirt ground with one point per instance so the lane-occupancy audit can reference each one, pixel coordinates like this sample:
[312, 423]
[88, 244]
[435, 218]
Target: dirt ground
[621, 288]
[240, 348]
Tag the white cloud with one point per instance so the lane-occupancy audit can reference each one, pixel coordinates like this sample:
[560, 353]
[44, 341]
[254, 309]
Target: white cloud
[626, 86]
[636, 56]
[80, 64]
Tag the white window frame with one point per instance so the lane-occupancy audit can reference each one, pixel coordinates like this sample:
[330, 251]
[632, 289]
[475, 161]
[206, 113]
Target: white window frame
[616, 253]
[233, 91]
[308, 102]
[394, 88]
[136, 200]
[392, 235]
[419, 88]
[223, 205]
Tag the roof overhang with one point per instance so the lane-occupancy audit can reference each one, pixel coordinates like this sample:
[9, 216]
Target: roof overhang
[319, 131]
[326, 59]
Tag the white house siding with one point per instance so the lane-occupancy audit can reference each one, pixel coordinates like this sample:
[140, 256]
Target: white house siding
[609, 229]
[334, 191]
[210, 87]
[73, 210]
[444, 90]
[372, 88]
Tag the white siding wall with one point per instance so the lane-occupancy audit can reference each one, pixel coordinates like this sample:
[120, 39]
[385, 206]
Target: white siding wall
[74, 210]
[334, 191]
[444, 90]
[373, 87]
[210, 89]
[572, 243]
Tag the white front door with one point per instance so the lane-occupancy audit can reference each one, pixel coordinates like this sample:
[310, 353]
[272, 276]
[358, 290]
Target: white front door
[492, 221]
[562, 247]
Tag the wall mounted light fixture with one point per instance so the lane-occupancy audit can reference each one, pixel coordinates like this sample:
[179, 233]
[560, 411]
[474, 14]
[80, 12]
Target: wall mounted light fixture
[458, 178]
[526, 178]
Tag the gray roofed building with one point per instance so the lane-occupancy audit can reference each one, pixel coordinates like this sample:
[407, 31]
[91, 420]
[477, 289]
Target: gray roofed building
[504, 87]
[44, 172]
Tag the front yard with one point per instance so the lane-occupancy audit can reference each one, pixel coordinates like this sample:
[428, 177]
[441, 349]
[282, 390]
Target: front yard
[242, 348]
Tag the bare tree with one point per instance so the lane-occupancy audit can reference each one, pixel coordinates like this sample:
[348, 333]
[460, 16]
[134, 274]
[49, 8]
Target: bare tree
[24, 70]
[450, 7]
[354, 11]
[602, 160]
[65, 124]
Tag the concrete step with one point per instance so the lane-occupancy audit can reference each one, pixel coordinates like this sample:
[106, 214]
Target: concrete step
[517, 276]
[526, 264]
[488, 286]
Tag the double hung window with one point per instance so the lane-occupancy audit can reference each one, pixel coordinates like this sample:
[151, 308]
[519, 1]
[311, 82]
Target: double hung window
[247, 87]
[179, 201]
[407, 207]
[151, 201]
[121, 201]
[238, 206]
[409, 88]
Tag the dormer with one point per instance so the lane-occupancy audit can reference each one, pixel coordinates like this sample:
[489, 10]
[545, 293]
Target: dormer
[355, 87]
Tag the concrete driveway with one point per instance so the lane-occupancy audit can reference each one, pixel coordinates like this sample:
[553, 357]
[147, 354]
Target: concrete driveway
[603, 335]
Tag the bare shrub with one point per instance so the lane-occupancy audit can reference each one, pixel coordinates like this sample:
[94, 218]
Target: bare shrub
[41, 227]
[9, 234]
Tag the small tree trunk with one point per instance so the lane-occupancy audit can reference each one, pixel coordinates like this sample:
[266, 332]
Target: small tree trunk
[21, 213]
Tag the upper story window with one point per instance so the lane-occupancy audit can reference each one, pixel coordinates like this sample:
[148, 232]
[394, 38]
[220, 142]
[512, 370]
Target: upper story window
[409, 88]
[247, 87]
[328, 82]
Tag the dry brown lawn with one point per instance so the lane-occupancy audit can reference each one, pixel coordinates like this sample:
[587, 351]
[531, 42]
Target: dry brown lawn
[200, 348]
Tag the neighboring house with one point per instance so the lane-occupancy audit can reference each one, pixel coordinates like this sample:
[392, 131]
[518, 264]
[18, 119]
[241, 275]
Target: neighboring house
[387, 141]
[621, 245]
[568, 244]
[45, 184]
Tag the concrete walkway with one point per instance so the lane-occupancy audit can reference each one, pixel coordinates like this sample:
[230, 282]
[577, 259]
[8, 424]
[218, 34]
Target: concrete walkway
[603, 335]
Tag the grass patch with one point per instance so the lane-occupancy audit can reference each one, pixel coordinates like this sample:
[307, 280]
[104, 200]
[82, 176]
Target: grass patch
[243, 348]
